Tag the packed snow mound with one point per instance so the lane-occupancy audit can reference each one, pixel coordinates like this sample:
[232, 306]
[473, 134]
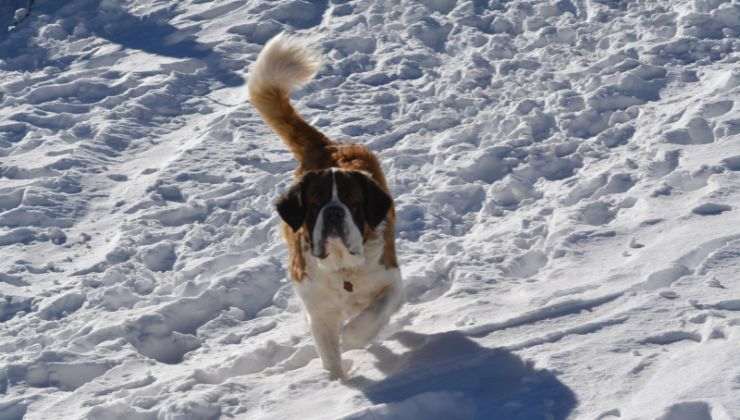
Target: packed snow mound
[567, 185]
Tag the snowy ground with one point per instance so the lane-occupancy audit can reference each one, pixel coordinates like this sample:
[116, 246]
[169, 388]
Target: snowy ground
[567, 181]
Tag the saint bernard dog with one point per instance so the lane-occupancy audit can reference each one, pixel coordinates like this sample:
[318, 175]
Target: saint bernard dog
[338, 216]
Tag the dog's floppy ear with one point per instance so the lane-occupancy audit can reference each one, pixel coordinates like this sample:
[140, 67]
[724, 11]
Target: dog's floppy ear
[290, 206]
[377, 202]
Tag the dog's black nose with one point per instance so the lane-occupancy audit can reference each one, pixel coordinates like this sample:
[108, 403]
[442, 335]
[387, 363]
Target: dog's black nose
[333, 214]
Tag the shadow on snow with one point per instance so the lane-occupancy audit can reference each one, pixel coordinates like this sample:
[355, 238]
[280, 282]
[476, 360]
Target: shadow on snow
[150, 33]
[449, 376]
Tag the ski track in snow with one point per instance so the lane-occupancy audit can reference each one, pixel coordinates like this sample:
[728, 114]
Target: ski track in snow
[567, 185]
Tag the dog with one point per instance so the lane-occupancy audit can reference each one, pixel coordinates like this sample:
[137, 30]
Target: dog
[337, 217]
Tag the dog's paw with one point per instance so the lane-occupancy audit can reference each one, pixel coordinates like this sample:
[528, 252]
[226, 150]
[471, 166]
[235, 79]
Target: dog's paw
[337, 375]
[340, 373]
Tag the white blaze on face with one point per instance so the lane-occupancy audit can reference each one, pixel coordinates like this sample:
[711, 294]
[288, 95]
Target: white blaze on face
[344, 252]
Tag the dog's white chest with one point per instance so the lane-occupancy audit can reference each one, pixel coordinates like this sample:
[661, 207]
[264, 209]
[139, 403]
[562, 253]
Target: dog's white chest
[348, 291]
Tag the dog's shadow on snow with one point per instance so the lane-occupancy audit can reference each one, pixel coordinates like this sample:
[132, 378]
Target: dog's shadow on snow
[449, 376]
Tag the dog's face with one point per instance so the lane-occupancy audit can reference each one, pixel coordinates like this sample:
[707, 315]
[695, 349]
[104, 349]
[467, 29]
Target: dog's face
[336, 208]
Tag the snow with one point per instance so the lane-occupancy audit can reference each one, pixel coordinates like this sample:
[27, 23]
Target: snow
[566, 177]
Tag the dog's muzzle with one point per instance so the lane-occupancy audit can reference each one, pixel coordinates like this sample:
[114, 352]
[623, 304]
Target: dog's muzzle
[333, 221]
[334, 233]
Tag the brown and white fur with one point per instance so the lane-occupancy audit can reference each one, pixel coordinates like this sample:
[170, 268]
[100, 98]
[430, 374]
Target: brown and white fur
[338, 217]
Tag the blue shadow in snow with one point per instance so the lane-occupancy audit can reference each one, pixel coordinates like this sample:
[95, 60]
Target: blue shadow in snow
[155, 36]
[449, 376]
[150, 33]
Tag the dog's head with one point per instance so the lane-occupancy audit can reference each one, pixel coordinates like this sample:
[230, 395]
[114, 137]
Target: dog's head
[338, 209]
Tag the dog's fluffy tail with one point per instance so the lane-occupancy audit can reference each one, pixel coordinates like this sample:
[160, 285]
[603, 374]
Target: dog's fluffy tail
[286, 63]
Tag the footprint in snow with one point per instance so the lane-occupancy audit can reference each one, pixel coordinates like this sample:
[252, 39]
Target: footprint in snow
[711, 209]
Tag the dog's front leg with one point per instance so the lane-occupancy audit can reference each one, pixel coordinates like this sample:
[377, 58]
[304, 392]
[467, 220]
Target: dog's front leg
[363, 328]
[325, 327]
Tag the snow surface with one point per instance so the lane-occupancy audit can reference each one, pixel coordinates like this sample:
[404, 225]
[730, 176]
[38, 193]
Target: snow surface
[567, 181]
